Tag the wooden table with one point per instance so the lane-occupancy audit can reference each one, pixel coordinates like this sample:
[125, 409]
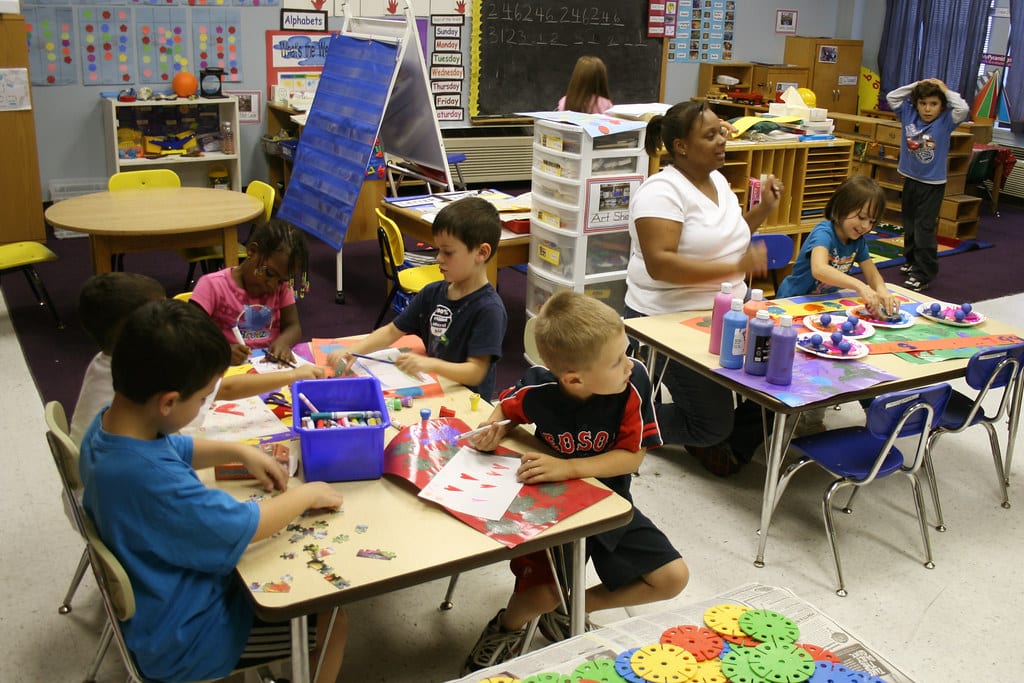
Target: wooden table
[429, 543]
[513, 249]
[665, 335]
[131, 221]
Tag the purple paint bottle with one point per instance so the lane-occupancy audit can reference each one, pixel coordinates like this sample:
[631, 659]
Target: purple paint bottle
[783, 349]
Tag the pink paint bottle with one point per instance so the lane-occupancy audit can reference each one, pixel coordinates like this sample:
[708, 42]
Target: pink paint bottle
[721, 306]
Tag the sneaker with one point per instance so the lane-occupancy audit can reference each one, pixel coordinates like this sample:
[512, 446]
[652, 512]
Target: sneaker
[556, 625]
[906, 269]
[915, 284]
[495, 646]
[718, 459]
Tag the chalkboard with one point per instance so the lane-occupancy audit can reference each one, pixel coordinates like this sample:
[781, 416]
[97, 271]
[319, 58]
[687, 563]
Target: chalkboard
[526, 52]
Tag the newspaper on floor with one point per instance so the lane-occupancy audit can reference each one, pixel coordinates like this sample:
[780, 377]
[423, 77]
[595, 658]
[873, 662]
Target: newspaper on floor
[609, 641]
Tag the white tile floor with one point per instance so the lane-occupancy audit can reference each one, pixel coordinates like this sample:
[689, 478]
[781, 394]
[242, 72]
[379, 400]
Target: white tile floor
[936, 625]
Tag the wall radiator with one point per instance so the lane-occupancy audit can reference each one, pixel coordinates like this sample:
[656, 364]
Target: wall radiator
[493, 159]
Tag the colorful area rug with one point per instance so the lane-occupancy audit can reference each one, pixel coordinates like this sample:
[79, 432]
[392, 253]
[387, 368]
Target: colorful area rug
[885, 245]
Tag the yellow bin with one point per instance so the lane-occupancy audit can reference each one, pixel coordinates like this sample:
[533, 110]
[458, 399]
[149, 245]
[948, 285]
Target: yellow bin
[220, 179]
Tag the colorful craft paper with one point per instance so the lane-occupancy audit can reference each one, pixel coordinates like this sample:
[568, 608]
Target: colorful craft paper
[814, 379]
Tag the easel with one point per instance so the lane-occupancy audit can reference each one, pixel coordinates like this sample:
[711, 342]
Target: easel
[374, 85]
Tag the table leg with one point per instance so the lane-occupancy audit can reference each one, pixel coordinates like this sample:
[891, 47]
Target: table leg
[300, 649]
[773, 463]
[230, 243]
[578, 594]
[997, 181]
[100, 254]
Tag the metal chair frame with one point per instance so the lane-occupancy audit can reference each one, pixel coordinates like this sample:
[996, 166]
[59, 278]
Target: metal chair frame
[392, 251]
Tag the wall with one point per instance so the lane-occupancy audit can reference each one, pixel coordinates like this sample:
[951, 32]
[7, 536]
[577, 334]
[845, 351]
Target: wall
[69, 118]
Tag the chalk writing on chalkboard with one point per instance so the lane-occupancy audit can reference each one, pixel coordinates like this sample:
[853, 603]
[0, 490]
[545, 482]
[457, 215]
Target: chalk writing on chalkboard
[526, 52]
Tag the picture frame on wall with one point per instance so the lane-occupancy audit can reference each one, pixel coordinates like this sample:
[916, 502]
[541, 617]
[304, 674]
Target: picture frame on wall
[785, 20]
[828, 54]
[249, 106]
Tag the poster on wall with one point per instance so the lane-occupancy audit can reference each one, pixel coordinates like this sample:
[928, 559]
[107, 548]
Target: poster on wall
[108, 51]
[294, 61]
[704, 31]
[447, 69]
[160, 34]
[52, 52]
[216, 40]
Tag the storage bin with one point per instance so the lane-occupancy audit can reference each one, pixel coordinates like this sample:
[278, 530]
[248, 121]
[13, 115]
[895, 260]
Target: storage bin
[341, 453]
[552, 252]
[288, 148]
[607, 252]
[271, 145]
[557, 189]
[556, 164]
[558, 137]
[556, 214]
[540, 288]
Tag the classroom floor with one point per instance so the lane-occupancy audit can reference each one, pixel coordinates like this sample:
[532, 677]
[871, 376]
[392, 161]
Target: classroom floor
[935, 625]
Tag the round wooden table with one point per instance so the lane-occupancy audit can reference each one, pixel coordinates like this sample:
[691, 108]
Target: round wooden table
[130, 221]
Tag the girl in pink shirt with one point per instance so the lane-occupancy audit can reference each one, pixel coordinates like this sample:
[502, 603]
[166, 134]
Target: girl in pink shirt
[588, 88]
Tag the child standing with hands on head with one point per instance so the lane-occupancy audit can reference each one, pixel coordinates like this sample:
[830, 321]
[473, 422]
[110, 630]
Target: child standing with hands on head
[178, 540]
[460, 319]
[837, 243]
[253, 303]
[588, 88]
[929, 112]
[592, 405]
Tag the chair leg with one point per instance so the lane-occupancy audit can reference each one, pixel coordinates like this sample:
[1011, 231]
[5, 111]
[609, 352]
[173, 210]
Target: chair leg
[387, 305]
[830, 530]
[997, 458]
[933, 486]
[75, 581]
[101, 652]
[848, 508]
[447, 603]
[915, 484]
[42, 295]
[189, 277]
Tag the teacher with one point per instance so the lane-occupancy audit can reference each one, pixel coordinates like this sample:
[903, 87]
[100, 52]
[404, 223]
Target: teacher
[689, 235]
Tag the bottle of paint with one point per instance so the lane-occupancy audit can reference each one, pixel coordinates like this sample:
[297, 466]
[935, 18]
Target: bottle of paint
[759, 339]
[755, 303]
[723, 300]
[734, 326]
[783, 348]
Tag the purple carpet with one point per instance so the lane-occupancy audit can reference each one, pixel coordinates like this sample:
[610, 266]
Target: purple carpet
[57, 358]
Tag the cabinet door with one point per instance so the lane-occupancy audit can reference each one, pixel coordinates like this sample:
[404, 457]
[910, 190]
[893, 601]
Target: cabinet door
[770, 81]
[835, 82]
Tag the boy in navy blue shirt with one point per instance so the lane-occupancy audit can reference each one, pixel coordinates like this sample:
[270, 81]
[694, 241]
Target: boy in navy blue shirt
[591, 405]
[929, 112]
[178, 540]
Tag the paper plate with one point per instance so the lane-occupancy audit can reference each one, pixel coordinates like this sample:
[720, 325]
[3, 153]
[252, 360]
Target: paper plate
[946, 313]
[905, 319]
[813, 322]
[829, 350]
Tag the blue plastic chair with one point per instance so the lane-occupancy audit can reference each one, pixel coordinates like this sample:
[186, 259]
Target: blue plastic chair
[780, 253]
[857, 456]
[988, 370]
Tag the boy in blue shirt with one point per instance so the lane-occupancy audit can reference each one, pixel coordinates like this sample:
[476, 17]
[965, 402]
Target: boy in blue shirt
[178, 540]
[929, 112]
[460, 319]
[592, 405]
[837, 243]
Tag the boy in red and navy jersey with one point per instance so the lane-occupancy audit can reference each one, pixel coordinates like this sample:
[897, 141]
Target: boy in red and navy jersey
[592, 405]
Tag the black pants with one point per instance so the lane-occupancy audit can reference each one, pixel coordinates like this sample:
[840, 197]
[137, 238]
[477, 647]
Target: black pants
[921, 204]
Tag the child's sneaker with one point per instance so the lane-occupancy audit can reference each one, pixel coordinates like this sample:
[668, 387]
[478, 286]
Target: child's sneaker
[916, 284]
[556, 625]
[494, 646]
[906, 269]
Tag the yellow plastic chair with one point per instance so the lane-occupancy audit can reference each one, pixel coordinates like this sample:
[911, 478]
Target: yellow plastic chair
[409, 280]
[139, 180]
[205, 256]
[23, 256]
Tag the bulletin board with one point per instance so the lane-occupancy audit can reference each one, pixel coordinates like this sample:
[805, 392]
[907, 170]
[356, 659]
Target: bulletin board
[523, 59]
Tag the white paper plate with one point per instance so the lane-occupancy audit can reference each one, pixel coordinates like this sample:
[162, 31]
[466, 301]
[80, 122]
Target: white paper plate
[828, 349]
[924, 310]
[813, 322]
[906, 320]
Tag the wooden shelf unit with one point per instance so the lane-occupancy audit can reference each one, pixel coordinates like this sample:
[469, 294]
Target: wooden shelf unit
[834, 80]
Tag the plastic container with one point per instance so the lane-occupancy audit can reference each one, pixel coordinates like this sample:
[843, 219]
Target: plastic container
[556, 214]
[783, 350]
[734, 326]
[342, 453]
[540, 287]
[227, 138]
[755, 303]
[220, 179]
[723, 300]
[552, 252]
[759, 340]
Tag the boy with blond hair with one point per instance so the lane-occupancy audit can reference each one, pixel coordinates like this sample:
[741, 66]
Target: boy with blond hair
[178, 540]
[592, 405]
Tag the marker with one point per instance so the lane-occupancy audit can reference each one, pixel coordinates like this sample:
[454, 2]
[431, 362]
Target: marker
[349, 414]
[480, 430]
[306, 402]
[374, 358]
[238, 335]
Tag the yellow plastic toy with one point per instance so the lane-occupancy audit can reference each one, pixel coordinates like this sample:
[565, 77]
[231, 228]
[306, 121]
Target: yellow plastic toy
[808, 96]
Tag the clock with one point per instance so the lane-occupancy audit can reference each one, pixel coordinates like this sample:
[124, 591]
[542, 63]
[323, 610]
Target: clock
[210, 81]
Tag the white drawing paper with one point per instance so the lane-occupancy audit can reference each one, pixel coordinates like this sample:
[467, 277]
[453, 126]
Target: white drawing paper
[475, 483]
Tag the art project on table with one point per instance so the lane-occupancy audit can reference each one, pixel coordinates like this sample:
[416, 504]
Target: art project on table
[239, 420]
[475, 483]
[391, 378]
[263, 365]
[814, 379]
[420, 451]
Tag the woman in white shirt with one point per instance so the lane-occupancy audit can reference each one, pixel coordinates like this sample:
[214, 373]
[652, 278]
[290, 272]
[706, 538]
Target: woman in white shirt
[689, 235]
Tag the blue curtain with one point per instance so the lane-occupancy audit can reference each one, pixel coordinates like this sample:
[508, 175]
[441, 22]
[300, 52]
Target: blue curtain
[933, 39]
[1015, 78]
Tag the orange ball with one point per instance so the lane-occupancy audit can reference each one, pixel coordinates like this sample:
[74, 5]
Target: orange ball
[185, 84]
